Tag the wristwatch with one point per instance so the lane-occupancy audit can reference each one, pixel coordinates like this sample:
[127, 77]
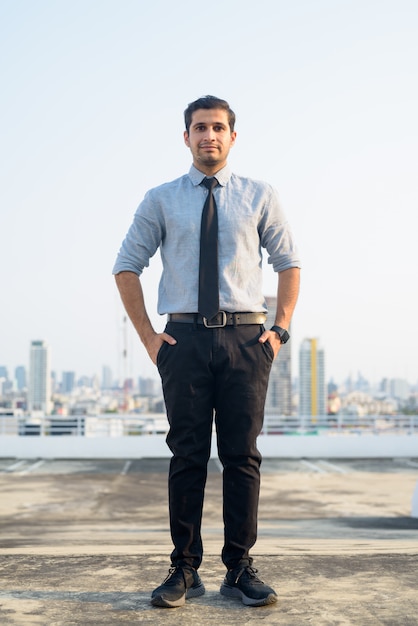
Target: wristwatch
[283, 334]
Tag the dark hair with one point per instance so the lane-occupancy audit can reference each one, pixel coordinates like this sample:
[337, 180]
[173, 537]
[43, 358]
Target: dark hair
[208, 102]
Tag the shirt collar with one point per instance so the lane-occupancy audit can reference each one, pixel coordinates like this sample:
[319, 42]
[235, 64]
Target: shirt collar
[222, 176]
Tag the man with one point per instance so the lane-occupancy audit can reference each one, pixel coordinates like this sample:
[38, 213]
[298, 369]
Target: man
[214, 358]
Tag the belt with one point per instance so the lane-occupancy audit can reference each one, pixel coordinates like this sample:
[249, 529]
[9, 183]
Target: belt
[220, 320]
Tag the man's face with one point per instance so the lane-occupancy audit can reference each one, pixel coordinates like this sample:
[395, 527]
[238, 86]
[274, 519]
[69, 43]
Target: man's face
[209, 139]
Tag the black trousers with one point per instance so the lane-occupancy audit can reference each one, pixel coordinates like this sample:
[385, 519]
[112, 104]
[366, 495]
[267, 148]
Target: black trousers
[221, 373]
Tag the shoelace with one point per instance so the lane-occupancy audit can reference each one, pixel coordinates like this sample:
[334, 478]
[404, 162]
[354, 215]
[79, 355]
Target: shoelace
[172, 570]
[251, 573]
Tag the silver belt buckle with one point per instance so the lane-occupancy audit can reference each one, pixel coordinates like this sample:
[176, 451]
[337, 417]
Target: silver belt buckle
[224, 320]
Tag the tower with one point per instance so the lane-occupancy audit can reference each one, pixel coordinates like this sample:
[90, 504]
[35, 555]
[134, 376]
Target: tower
[68, 382]
[107, 377]
[311, 379]
[39, 397]
[20, 376]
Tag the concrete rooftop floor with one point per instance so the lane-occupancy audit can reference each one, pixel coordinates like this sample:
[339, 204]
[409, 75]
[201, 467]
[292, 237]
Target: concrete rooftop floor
[85, 542]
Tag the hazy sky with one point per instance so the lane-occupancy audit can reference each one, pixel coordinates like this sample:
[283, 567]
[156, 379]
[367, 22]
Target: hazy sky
[92, 100]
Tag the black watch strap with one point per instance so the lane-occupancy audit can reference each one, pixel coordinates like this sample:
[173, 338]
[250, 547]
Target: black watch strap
[283, 334]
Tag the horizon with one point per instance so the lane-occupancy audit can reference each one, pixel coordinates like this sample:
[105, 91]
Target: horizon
[353, 377]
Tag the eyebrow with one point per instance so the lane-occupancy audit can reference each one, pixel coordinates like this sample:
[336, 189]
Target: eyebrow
[210, 124]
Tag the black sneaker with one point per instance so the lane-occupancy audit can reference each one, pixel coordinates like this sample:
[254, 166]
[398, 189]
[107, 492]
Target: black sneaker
[243, 583]
[181, 583]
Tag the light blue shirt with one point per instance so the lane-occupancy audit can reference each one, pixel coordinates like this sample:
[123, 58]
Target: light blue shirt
[249, 219]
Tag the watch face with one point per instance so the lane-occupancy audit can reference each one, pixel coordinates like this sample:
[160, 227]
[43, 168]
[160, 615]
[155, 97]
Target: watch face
[284, 336]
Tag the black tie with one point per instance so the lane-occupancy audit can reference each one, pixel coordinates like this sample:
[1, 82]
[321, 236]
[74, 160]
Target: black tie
[208, 264]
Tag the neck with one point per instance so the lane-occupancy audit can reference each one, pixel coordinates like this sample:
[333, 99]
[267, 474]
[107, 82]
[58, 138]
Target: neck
[209, 170]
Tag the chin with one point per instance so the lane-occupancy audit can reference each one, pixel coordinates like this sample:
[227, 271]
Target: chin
[208, 160]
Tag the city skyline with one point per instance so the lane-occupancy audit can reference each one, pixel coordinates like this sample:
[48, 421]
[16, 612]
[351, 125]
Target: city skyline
[92, 116]
[309, 394]
[118, 375]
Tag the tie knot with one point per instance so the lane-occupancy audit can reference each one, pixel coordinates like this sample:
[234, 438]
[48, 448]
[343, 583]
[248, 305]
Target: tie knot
[209, 183]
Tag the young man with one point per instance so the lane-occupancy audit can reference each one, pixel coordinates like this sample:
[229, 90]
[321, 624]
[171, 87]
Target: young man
[214, 357]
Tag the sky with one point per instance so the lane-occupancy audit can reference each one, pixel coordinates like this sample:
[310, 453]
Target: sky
[93, 94]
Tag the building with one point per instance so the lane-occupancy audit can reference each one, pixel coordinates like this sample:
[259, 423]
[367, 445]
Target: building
[279, 392]
[39, 393]
[399, 389]
[68, 382]
[312, 396]
[20, 377]
[107, 377]
[147, 387]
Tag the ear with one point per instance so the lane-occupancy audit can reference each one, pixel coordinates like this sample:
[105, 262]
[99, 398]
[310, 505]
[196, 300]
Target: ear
[233, 137]
[186, 138]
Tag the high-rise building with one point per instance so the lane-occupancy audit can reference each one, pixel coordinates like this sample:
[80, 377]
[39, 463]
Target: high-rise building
[312, 398]
[147, 386]
[279, 392]
[39, 394]
[68, 382]
[107, 377]
[399, 389]
[20, 376]
[4, 379]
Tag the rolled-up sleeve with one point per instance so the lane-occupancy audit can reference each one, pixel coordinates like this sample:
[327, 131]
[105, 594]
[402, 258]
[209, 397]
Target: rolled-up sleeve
[142, 240]
[277, 237]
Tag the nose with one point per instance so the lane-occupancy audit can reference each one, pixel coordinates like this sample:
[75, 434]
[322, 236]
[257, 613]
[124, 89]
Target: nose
[210, 134]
